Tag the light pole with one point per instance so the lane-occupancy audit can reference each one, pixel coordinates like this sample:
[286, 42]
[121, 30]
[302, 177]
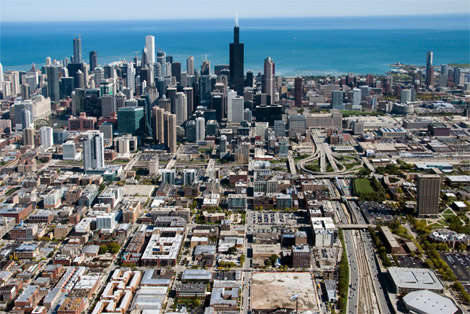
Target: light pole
[295, 298]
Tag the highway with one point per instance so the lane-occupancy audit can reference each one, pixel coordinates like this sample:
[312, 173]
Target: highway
[365, 295]
[246, 267]
[324, 153]
[291, 162]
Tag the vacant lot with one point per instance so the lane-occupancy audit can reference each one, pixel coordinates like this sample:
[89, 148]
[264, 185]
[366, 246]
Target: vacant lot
[273, 290]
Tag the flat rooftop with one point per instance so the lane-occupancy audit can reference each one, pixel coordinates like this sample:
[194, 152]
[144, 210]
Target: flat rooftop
[415, 278]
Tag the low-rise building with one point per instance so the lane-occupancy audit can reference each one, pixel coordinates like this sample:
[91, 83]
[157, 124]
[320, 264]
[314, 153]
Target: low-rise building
[163, 247]
[405, 280]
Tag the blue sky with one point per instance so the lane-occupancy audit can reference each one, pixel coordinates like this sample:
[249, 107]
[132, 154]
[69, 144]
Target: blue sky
[73, 10]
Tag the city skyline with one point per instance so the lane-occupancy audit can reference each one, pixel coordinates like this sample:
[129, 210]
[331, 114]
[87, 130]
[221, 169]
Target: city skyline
[147, 167]
[206, 9]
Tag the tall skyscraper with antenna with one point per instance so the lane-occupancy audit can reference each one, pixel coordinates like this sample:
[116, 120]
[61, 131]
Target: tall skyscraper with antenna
[236, 61]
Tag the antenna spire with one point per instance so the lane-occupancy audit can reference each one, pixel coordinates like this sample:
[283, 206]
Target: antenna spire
[236, 18]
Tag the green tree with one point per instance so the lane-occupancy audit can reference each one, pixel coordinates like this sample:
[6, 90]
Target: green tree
[114, 247]
[461, 247]
[232, 250]
[103, 249]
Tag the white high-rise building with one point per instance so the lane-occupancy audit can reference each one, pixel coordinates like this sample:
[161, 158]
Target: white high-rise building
[93, 151]
[190, 65]
[106, 222]
[200, 129]
[46, 136]
[13, 78]
[130, 80]
[231, 94]
[223, 146]
[181, 108]
[69, 151]
[26, 119]
[405, 96]
[236, 109]
[356, 97]
[150, 45]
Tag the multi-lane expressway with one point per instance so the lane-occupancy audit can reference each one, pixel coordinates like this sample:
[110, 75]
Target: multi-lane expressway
[366, 294]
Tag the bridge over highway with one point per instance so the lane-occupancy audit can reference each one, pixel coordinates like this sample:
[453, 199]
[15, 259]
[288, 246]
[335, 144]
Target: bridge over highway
[355, 226]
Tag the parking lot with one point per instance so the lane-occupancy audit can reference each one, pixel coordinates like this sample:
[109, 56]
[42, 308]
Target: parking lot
[459, 263]
[274, 218]
[376, 212]
[409, 261]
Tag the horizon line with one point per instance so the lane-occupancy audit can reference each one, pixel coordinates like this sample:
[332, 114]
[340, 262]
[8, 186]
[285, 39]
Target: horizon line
[231, 18]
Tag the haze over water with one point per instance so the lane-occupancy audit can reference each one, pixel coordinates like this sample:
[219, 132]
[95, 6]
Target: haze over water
[298, 45]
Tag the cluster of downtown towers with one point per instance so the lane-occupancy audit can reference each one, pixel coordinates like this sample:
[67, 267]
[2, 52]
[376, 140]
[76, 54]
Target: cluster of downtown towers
[152, 97]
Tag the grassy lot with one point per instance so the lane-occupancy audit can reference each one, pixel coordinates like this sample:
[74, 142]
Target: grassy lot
[314, 166]
[447, 214]
[362, 185]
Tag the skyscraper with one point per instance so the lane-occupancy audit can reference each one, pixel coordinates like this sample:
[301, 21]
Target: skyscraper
[93, 60]
[93, 151]
[298, 91]
[150, 45]
[235, 110]
[429, 69]
[231, 94]
[108, 105]
[356, 97]
[206, 67]
[190, 65]
[77, 50]
[176, 71]
[131, 120]
[428, 190]
[158, 112]
[191, 132]
[223, 146]
[1, 77]
[46, 136]
[28, 137]
[53, 87]
[181, 108]
[405, 96]
[189, 92]
[170, 131]
[268, 86]
[236, 61]
[130, 77]
[200, 129]
[26, 119]
[337, 99]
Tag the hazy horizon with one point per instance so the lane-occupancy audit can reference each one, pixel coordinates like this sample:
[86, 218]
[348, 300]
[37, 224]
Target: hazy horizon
[109, 10]
[273, 18]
